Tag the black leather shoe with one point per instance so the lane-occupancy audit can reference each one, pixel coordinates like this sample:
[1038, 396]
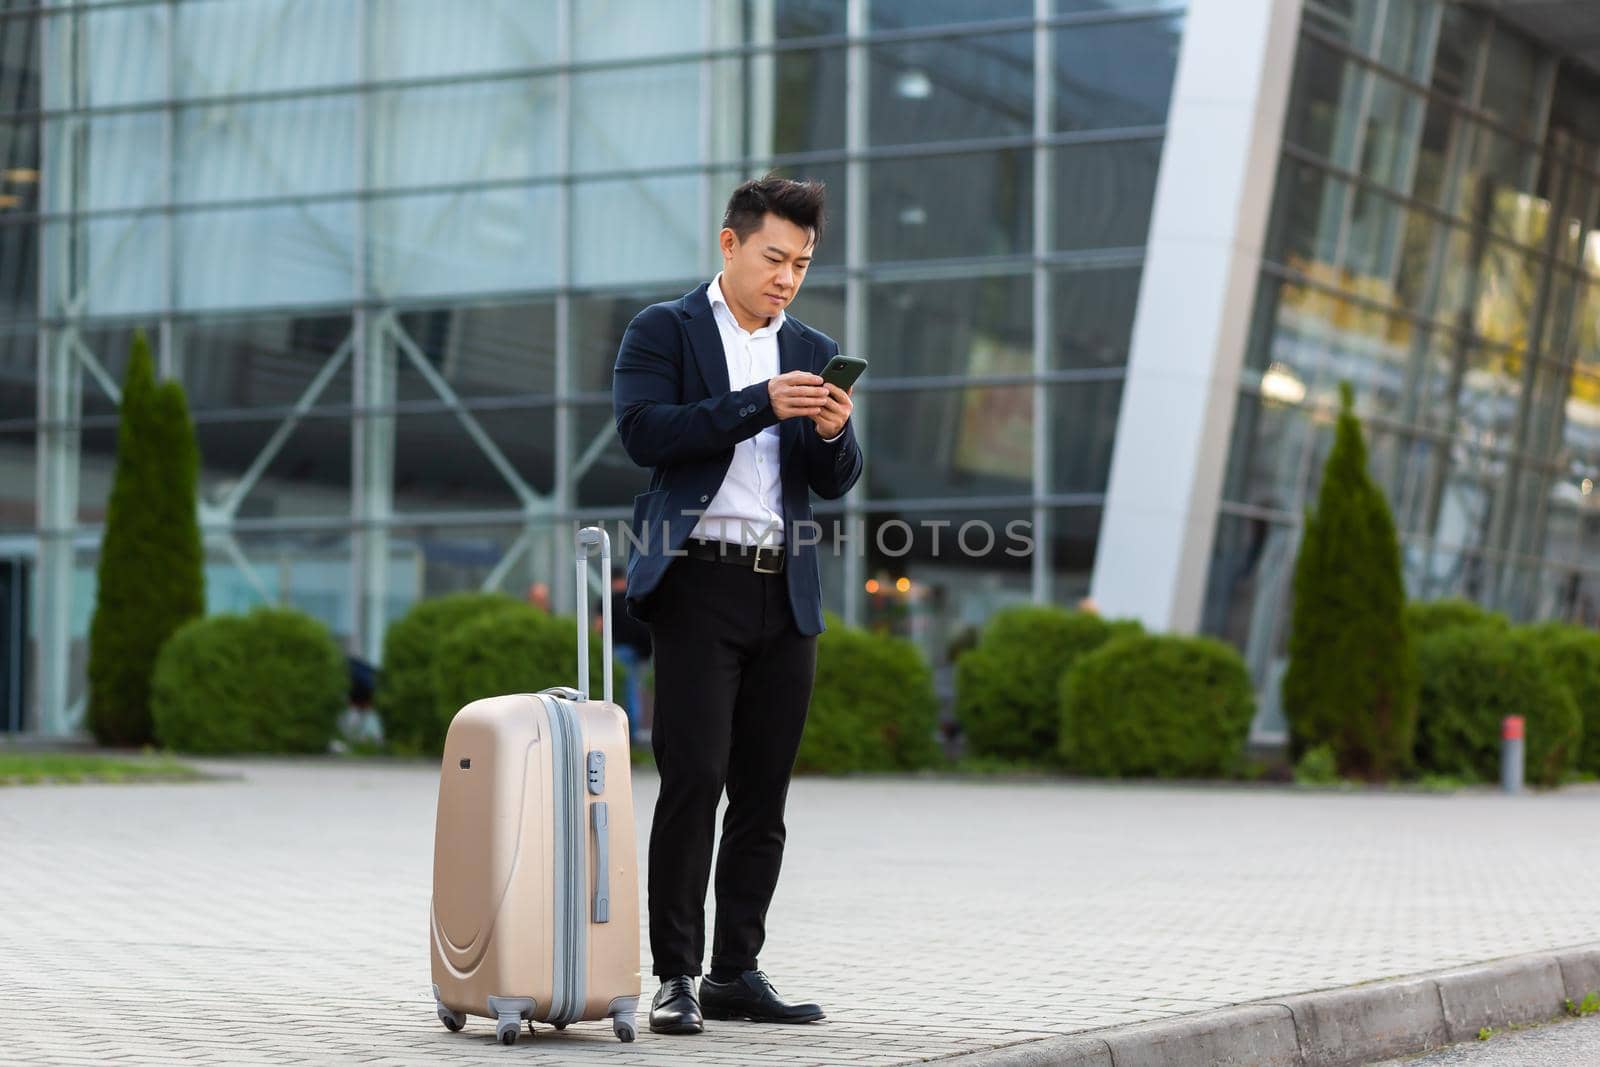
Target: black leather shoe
[751, 996]
[676, 1010]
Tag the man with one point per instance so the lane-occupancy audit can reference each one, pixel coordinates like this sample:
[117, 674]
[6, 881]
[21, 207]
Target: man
[718, 393]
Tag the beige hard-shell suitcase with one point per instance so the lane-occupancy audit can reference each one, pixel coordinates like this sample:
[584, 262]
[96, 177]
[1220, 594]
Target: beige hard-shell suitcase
[535, 883]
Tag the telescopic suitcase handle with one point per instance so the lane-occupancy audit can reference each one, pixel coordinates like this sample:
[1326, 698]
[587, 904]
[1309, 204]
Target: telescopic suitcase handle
[594, 535]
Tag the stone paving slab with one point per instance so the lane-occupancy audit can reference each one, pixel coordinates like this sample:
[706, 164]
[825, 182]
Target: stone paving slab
[281, 917]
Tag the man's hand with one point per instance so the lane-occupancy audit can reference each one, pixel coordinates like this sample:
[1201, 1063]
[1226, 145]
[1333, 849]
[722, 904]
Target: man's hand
[797, 393]
[831, 419]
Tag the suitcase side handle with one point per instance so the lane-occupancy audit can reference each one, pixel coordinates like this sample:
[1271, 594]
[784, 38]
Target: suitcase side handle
[594, 535]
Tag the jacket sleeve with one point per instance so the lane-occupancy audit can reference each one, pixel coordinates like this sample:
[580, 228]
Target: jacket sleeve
[655, 428]
[832, 467]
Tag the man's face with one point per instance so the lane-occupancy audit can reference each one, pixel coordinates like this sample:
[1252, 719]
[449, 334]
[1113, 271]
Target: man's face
[762, 273]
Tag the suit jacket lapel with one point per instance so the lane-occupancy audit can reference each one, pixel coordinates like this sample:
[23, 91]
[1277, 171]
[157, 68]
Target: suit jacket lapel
[794, 353]
[705, 343]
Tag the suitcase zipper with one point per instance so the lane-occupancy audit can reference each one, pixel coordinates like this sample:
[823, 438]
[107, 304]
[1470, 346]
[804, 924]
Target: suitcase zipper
[571, 870]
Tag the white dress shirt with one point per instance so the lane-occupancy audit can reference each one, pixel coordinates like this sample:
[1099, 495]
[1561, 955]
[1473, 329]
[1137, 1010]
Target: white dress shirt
[748, 509]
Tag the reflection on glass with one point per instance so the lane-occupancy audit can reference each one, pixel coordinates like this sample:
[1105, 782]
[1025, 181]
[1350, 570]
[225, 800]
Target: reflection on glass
[1083, 424]
[487, 350]
[905, 14]
[468, 243]
[423, 38]
[947, 90]
[976, 441]
[444, 134]
[225, 47]
[272, 362]
[952, 206]
[269, 149]
[961, 328]
[1104, 193]
[1092, 315]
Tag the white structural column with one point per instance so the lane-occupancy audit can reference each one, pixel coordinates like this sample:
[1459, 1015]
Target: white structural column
[1218, 163]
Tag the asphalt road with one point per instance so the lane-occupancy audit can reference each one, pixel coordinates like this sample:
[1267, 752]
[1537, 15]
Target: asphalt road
[1571, 1043]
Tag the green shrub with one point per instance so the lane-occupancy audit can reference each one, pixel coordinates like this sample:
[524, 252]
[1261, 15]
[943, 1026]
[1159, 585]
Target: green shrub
[1317, 767]
[271, 681]
[1162, 706]
[1352, 681]
[1425, 617]
[514, 648]
[1572, 654]
[873, 706]
[1472, 678]
[414, 713]
[151, 577]
[1007, 688]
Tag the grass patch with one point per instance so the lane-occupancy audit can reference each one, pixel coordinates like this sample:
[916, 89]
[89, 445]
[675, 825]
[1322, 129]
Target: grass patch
[33, 768]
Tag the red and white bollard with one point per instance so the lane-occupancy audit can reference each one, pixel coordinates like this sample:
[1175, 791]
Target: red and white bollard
[1511, 754]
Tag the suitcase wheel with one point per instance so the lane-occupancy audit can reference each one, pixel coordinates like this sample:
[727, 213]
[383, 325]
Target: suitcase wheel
[452, 1021]
[625, 1029]
[506, 1032]
[559, 1026]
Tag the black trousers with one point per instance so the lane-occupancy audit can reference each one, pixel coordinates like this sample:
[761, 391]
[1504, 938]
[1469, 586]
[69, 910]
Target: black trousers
[733, 681]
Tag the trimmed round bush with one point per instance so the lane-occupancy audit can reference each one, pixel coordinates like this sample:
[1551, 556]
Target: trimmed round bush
[413, 712]
[512, 649]
[873, 706]
[1572, 654]
[1472, 678]
[1425, 617]
[1156, 706]
[1007, 688]
[271, 681]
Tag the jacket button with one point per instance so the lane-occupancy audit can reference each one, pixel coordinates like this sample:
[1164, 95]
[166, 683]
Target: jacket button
[704, 499]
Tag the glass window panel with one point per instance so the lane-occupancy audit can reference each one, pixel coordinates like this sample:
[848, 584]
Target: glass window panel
[950, 206]
[961, 327]
[1074, 7]
[1434, 267]
[19, 271]
[1266, 458]
[1444, 138]
[598, 323]
[1115, 74]
[1389, 153]
[905, 14]
[266, 257]
[439, 467]
[19, 166]
[124, 48]
[19, 376]
[807, 18]
[309, 475]
[1323, 103]
[245, 363]
[752, 97]
[1406, 43]
[271, 149]
[1511, 80]
[487, 350]
[636, 117]
[110, 346]
[307, 570]
[19, 481]
[1586, 332]
[225, 47]
[960, 566]
[639, 230]
[1508, 283]
[1072, 536]
[976, 441]
[952, 89]
[477, 241]
[423, 38]
[620, 29]
[1455, 56]
[444, 134]
[1247, 591]
[105, 266]
[107, 161]
[1083, 422]
[1305, 220]
[1092, 316]
[19, 56]
[1104, 193]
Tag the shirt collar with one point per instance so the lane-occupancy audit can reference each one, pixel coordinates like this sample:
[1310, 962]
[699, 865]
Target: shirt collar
[714, 294]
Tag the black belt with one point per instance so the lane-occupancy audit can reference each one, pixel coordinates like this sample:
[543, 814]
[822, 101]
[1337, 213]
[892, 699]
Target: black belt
[763, 559]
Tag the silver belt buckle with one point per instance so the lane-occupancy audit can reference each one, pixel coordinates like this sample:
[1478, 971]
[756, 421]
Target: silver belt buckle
[759, 569]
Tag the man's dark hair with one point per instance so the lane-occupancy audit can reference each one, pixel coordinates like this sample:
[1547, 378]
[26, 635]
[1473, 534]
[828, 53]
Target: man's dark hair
[799, 202]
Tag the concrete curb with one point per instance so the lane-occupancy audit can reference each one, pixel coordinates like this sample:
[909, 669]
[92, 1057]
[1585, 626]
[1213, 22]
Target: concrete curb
[1332, 1028]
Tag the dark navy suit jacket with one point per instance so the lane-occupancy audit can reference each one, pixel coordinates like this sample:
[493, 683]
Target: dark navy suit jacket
[678, 415]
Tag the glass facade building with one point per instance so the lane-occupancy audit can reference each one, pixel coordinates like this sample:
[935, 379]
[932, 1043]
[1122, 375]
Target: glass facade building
[389, 247]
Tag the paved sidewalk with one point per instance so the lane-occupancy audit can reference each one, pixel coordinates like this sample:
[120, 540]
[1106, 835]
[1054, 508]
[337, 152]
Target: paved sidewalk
[282, 918]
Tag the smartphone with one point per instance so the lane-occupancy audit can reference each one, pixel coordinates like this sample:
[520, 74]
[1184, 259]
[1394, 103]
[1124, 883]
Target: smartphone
[843, 371]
